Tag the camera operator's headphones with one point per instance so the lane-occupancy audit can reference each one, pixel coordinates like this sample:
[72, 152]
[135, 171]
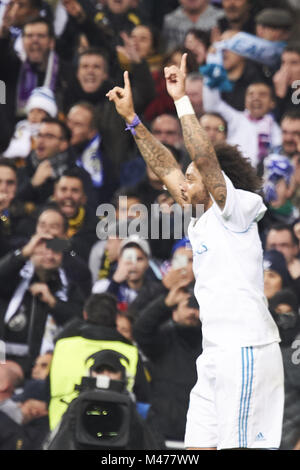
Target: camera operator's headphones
[108, 359]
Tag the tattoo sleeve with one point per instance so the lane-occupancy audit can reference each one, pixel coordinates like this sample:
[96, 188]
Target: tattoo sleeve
[160, 160]
[155, 154]
[203, 154]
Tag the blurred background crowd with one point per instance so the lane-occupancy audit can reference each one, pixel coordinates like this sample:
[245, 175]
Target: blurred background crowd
[67, 294]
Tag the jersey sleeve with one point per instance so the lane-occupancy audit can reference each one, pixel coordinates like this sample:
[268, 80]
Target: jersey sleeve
[242, 208]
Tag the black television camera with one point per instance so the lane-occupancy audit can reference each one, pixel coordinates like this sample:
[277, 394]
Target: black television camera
[99, 418]
[102, 417]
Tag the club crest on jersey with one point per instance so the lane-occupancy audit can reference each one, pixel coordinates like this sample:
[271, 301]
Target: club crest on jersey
[202, 249]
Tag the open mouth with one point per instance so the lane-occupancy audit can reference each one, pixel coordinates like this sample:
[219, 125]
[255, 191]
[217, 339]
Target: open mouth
[40, 149]
[68, 204]
[90, 79]
[35, 49]
[256, 105]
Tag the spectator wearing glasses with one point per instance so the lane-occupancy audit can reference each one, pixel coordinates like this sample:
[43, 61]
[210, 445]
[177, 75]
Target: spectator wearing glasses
[47, 162]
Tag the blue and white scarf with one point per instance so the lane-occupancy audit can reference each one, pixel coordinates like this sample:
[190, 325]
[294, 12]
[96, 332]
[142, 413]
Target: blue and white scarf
[276, 167]
[246, 45]
[254, 48]
[91, 161]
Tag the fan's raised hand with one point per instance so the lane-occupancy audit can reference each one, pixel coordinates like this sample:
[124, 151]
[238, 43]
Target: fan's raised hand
[122, 97]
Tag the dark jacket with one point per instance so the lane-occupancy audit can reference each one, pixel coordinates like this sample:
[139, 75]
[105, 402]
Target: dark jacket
[78, 272]
[39, 195]
[113, 24]
[10, 433]
[27, 324]
[173, 351]
[290, 102]
[85, 237]
[10, 66]
[16, 223]
[291, 417]
[236, 97]
[118, 145]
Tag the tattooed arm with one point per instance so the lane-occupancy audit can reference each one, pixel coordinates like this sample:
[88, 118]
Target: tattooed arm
[161, 161]
[202, 153]
[196, 140]
[155, 154]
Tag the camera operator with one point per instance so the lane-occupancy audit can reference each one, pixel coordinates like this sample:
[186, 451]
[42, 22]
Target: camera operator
[104, 415]
[81, 337]
[50, 158]
[34, 289]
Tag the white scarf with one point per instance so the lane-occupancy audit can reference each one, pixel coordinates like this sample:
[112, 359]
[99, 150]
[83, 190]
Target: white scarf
[91, 161]
[26, 274]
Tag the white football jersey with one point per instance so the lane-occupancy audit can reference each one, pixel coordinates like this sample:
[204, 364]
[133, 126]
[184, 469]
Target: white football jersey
[228, 268]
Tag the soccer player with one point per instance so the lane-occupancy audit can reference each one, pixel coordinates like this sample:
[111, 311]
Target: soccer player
[237, 401]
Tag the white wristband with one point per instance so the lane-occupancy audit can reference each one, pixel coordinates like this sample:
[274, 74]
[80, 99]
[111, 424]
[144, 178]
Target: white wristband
[184, 106]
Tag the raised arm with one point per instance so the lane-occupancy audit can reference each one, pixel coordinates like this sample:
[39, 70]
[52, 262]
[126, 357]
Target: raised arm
[155, 154]
[196, 140]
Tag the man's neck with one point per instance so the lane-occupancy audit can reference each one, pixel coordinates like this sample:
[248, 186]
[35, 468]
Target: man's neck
[76, 214]
[40, 66]
[80, 146]
[135, 285]
[194, 15]
[44, 275]
[238, 23]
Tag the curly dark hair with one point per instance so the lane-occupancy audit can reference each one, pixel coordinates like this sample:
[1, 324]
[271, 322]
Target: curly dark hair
[238, 168]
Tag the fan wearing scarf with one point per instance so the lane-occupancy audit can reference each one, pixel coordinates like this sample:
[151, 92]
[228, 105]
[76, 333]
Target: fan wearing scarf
[70, 196]
[255, 127]
[34, 293]
[41, 67]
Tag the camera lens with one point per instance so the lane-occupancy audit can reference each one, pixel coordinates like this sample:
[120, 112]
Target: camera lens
[102, 420]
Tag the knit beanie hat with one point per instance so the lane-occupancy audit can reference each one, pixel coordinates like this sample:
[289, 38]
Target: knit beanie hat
[287, 297]
[42, 98]
[273, 260]
[183, 243]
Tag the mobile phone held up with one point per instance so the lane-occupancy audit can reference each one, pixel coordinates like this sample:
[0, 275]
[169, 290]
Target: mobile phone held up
[59, 245]
[129, 254]
[179, 261]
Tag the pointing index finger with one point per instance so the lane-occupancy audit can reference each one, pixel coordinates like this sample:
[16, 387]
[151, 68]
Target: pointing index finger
[126, 81]
[183, 63]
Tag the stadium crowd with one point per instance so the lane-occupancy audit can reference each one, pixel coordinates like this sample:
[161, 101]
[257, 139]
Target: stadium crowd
[71, 285]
